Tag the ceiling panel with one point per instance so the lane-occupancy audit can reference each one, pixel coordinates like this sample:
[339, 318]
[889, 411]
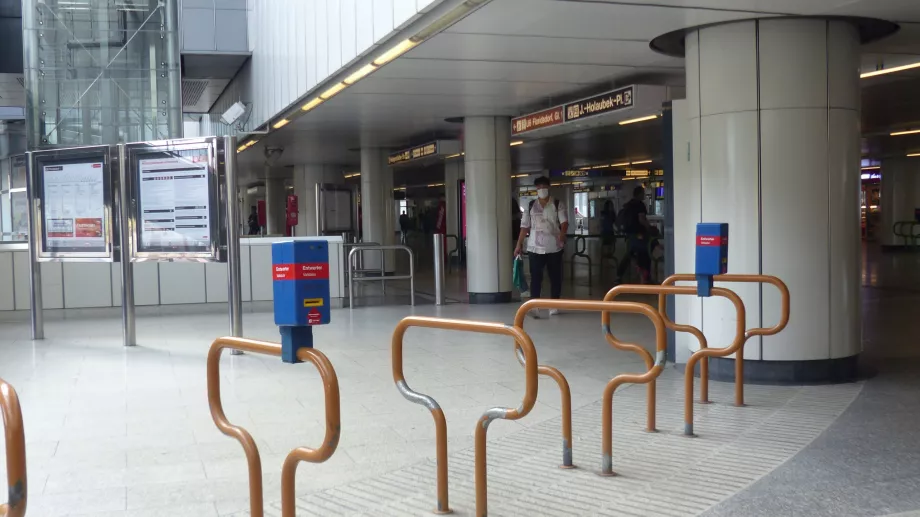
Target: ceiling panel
[518, 92]
[497, 71]
[594, 20]
[538, 49]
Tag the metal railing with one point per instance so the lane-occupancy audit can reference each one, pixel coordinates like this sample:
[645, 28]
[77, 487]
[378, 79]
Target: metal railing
[739, 359]
[333, 422]
[580, 252]
[361, 248]
[910, 236]
[523, 341]
[451, 252]
[14, 435]
[604, 308]
[359, 268]
[438, 268]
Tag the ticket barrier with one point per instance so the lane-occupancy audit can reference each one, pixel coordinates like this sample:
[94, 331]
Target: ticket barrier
[523, 341]
[15, 453]
[655, 366]
[300, 281]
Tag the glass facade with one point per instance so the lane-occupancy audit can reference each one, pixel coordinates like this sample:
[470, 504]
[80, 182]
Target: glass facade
[101, 71]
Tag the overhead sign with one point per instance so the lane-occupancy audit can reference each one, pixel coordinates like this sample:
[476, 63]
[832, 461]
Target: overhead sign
[621, 98]
[615, 100]
[577, 173]
[413, 153]
[538, 120]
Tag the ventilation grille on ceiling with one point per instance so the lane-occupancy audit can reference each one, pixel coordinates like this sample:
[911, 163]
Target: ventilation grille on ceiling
[192, 90]
[21, 81]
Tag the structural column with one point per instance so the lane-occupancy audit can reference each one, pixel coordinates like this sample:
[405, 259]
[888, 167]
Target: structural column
[274, 206]
[377, 206]
[306, 178]
[773, 109]
[900, 197]
[490, 244]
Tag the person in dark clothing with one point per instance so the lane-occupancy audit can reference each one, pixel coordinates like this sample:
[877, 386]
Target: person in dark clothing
[635, 225]
[608, 223]
[254, 222]
[403, 226]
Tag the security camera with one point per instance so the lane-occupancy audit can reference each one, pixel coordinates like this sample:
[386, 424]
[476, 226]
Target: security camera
[272, 155]
[234, 113]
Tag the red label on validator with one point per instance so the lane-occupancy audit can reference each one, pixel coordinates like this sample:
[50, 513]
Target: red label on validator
[306, 271]
[709, 240]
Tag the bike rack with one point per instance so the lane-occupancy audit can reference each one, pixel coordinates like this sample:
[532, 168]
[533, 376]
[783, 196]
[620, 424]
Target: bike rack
[555, 374]
[530, 396]
[739, 359]
[706, 352]
[360, 248]
[15, 437]
[911, 237]
[333, 423]
[580, 253]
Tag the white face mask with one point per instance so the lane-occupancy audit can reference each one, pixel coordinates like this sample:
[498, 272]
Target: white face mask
[543, 193]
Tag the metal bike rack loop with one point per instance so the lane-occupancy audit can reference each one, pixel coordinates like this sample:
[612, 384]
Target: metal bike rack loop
[739, 359]
[580, 252]
[530, 396]
[382, 278]
[14, 435]
[254, 460]
[555, 374]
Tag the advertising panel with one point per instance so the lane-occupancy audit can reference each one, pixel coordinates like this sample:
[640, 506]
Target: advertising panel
[74, 206]
[174, 202]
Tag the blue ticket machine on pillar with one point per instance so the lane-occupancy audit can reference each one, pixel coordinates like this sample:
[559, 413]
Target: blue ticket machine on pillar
[711, 254]
[300, 282]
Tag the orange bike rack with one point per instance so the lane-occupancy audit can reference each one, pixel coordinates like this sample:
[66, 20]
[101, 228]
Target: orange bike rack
[739, 359]
[15, 453]
[333, 423]
[586, 306]
[663, 290]
[530, 396]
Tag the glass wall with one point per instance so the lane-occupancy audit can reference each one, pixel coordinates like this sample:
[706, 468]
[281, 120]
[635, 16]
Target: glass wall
[101, 71]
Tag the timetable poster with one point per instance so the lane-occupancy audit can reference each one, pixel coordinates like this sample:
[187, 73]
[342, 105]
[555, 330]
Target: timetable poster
[74, 207]
[175, 204]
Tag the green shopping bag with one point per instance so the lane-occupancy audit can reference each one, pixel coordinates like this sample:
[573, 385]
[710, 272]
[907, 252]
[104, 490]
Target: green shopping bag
[517, 276]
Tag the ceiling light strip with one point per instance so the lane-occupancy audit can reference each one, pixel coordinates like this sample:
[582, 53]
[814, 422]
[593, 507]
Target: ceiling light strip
[889, 70]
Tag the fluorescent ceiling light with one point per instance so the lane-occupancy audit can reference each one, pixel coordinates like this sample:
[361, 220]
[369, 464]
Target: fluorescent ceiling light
[353, 175]
[640, 119]
[641, 162]
[889, 70]
[520, 175]
[399, 188]
[436, 185]
[910, 132]
[600, 166]
[453, 156]
[872, 168]
[394, 52]
[584, 168]
[281, 123]
[624, 164]
[312, 104]
[328, 94]
[361, 72]
[911, 155]
[516, 142]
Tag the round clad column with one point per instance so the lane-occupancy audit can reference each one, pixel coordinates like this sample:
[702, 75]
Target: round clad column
[774, 118]
[487, 169]
[377, 206]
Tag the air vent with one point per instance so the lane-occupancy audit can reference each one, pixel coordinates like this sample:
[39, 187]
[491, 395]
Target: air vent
[22, 81]
[192, 90]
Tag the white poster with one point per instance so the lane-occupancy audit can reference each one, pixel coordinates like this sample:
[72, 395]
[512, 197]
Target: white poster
[174, 204]
[74, 207]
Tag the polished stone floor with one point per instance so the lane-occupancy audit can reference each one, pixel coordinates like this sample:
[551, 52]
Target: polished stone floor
[127, 432]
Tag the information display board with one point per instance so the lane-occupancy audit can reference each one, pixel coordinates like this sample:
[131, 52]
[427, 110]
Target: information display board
[174, 191]
[74, 210]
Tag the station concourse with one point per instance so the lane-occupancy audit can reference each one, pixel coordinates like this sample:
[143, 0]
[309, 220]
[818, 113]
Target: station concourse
[257, 258]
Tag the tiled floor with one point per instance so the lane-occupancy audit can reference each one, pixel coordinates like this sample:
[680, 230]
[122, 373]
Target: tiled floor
[118, 432]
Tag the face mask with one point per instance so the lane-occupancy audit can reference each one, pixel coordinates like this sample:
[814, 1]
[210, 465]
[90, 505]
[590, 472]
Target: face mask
[543, 193]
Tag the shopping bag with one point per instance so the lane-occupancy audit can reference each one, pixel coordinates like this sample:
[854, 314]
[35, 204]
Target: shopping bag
[517, 276]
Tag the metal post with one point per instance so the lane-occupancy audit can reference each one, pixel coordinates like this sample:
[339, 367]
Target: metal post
[320, 210]
[383, 271]
[351, 279]
[127, 267]
[411, 275]
[35, 271]
[235, 297]
[438, 269]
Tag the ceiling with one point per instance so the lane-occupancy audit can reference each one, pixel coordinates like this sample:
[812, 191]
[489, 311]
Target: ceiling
[514, 56]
